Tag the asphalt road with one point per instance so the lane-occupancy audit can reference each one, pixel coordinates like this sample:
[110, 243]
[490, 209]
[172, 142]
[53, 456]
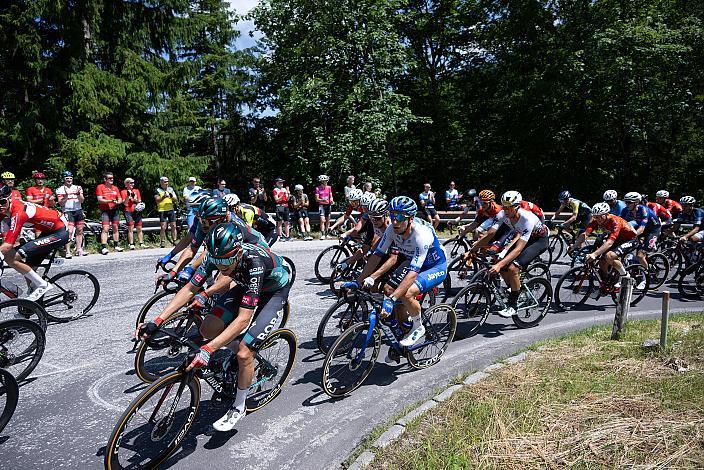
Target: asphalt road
[85, 380]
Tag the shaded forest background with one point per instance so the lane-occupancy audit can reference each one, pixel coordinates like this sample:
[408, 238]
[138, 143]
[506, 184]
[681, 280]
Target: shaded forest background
[534, 95]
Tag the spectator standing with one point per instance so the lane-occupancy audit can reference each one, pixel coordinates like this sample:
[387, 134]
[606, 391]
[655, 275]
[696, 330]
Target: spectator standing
[8, 179]
[108, 199]
[300, 211]
[257, 195]
[283, 216]
[427, 204]
[166, 200]
[70, 198]
[324, 198]
[350, 186]
[221, 190]
[39, 193]
[367, 188]
[452, 198]
[190, 188]
[133, 212]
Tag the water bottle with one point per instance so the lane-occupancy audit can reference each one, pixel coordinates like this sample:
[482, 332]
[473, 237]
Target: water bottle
[395, 328]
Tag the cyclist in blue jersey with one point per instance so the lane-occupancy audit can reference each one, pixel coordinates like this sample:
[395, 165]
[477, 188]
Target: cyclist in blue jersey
[617, 206]
[422, 266]
[690, 215]
[647, 225]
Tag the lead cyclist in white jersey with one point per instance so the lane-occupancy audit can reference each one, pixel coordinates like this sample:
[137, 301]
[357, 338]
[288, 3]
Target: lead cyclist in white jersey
[422, 266]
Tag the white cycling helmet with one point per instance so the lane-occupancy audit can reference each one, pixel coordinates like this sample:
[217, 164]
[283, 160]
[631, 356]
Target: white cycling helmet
[139, 207]
[298, 187]
[323, 178]
[367, 199]
[601, 208]
[610, 195]
[632, 197]
[354, 195]
[511, 198]
[687, 200]
[663, 193]
[378, 207]
[231, 199]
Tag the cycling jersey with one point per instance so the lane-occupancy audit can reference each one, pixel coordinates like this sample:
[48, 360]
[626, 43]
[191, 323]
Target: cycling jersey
[324, 194]
[453, 196]
[167, 203]
[533, 207]
[619, 230]
[661, 211]
[42, 195]
[42, 219]
[367, 231]
[617, 208]
[642, 216]
[528, 224]
[130, 202]
[70, 197]
[249, 234]
[695, 217]
[256, 218]
[486, 212]
[575, 205]
[422, 246]
[111, 193]
[674, 207]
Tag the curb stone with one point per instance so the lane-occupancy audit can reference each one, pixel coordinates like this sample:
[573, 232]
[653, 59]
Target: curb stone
[394, 432]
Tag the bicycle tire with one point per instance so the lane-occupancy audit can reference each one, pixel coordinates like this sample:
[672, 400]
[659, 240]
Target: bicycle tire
[458, 271]
[579, 281]
[544, 302]
[658, 269]
[473, 306]
[11, 308]
[638, 273]
[330, 329]
[119, 436]
[457, 245]
[21, 358]
[290, 263]
[556, 246]
[150, 369]
[334, 261]
[154, 300]
[259, 398]
[345, 348]
[11, 391]
[693, 290]
[538, 269]
[439, 331]
[65, 296]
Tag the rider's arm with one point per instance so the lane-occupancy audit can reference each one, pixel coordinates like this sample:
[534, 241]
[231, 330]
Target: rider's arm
[606, 246]
[185, 257]
[513, 254]
[695, 229]
[196, 264]
[180, 246]
[370, 267]
[484, 240]
[384, 268]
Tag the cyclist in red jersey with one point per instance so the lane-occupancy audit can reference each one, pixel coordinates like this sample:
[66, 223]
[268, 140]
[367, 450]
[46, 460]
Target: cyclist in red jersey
[662, 198]
[40, 194]
[487, 209]
[661, 211]
[533, 207]
[53, 234]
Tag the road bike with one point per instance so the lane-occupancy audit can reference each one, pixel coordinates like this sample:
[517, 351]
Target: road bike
[353, 355]
[560, 241]
[330, 257]
[155, 424]
[9, 394]
[690, 283]
[21, 346]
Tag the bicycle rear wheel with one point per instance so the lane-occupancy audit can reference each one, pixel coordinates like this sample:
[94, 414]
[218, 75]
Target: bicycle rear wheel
[9, 394]
[74, 295]
[327, 260]
[573, 288]
[272, 366]
[344, 369]
[22, 308]
[292, 269]
[343, 314]
[459, 272]
[456, 246]
[538, 293]
[21, 347]
[556, 247]
[691, 282]
[440, 322]
[153, 307]
[472, 305]
[658, 270]
[154, 424]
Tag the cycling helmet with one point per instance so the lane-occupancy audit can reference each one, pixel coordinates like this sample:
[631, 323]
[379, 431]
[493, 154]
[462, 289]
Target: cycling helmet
[662, 193]
[212, 209]
[511, 198]
[139, 207]
[563, 196]
[378, 207]
[223, 241]
[7, 175]
[298, 187]
[231, 199]
[687, 200]
[5, 191]
[38, 175]
[610, 195]
[404, 205]
[367, 199]
[354, 195]
[323, 178]
[487, 195]
[471, 193]
[66, 174]
[632, 197]
[601, 208]
[197, 197]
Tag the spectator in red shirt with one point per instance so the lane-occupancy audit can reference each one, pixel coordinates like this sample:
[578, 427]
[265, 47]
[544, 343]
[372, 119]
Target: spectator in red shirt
[40, 194]
[9, 179]
[283, 216]
[133, 212]
[108, 199]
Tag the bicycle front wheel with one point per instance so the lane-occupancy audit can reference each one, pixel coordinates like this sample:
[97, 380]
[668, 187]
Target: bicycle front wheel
[153, 307]
[154, 424]
[472, 305]
[658, 270]
[9, 394]
[74, 295]
[21, 346]
[272, 366]
[556, 247]
[537, 294]
[327, 260]
[292, 269]
[440, 322]
[343, 314]
[22, 308]
[456, 246]
[573, 288]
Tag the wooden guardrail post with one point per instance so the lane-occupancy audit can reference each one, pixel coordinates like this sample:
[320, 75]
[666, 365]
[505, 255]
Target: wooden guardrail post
[665, 318]
[623, 306]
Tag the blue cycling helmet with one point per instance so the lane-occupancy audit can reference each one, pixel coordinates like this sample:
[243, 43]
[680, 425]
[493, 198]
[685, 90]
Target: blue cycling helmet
[404, 205]
[66, 174]
[564, 195]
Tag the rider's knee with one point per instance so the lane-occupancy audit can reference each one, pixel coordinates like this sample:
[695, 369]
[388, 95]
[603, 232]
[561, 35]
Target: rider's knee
[244, 354]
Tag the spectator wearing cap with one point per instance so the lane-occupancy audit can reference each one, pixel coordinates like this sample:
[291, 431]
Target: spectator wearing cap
[70, 198]
[257, 195]
[133, 212]
[40, 194]
[221, 190]
[349, 186]
[108, 199]
[188, 190]
[281, 196]
[8, 178]
[166, 200]
[325, 200]
[300, 211]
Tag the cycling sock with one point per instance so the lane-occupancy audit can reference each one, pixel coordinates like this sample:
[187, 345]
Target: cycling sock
[240, 399]
[34, 278]
[621, 270]
[513, 298]
[416, 320]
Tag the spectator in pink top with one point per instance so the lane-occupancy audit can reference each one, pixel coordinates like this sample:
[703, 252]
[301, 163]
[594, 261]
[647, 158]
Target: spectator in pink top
[323, 196]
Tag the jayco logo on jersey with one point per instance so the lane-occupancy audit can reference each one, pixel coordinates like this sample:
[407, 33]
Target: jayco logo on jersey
[436, 275]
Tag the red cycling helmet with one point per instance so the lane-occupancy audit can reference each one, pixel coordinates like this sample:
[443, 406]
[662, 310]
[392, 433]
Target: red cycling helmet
[38, 175]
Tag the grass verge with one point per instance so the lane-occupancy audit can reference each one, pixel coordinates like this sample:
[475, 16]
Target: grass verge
[579, 401]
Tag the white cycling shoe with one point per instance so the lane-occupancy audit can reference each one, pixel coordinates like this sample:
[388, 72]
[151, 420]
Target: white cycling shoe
[507, 312]
[39, 292]
[229, 420]
[413, 336]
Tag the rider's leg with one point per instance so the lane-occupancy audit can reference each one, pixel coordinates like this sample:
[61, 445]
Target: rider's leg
[510, 275]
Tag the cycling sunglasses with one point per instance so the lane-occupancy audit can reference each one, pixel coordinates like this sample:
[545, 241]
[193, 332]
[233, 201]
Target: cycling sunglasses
[378, 218]
[227, 261]
[398, 217]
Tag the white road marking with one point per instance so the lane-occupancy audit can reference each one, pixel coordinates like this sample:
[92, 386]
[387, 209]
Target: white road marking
[94, 389]
[62, 371]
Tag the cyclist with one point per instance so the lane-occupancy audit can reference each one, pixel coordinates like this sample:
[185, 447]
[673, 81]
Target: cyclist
[53, 234]
[661, 211]
[534, 208]
[323, 196]
[622, 240]
[662, 197]
[71, 199]
[611, 198]
[364, 229]
[581, 212]
[379, 216]
[255, 218]
[647, 225]
[690, 215]
[427, 206]
[487, 209]
[40, 194]
[532, 241]
[424, 266]
[354, 197]
[133, 212]
[108, 199]
[8, 179]
[249, 309]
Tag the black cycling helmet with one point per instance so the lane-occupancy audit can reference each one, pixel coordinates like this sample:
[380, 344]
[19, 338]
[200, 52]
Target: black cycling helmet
[67, 174]
[224, 241]
[212, 209]
[563, 196]
[5, 191]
